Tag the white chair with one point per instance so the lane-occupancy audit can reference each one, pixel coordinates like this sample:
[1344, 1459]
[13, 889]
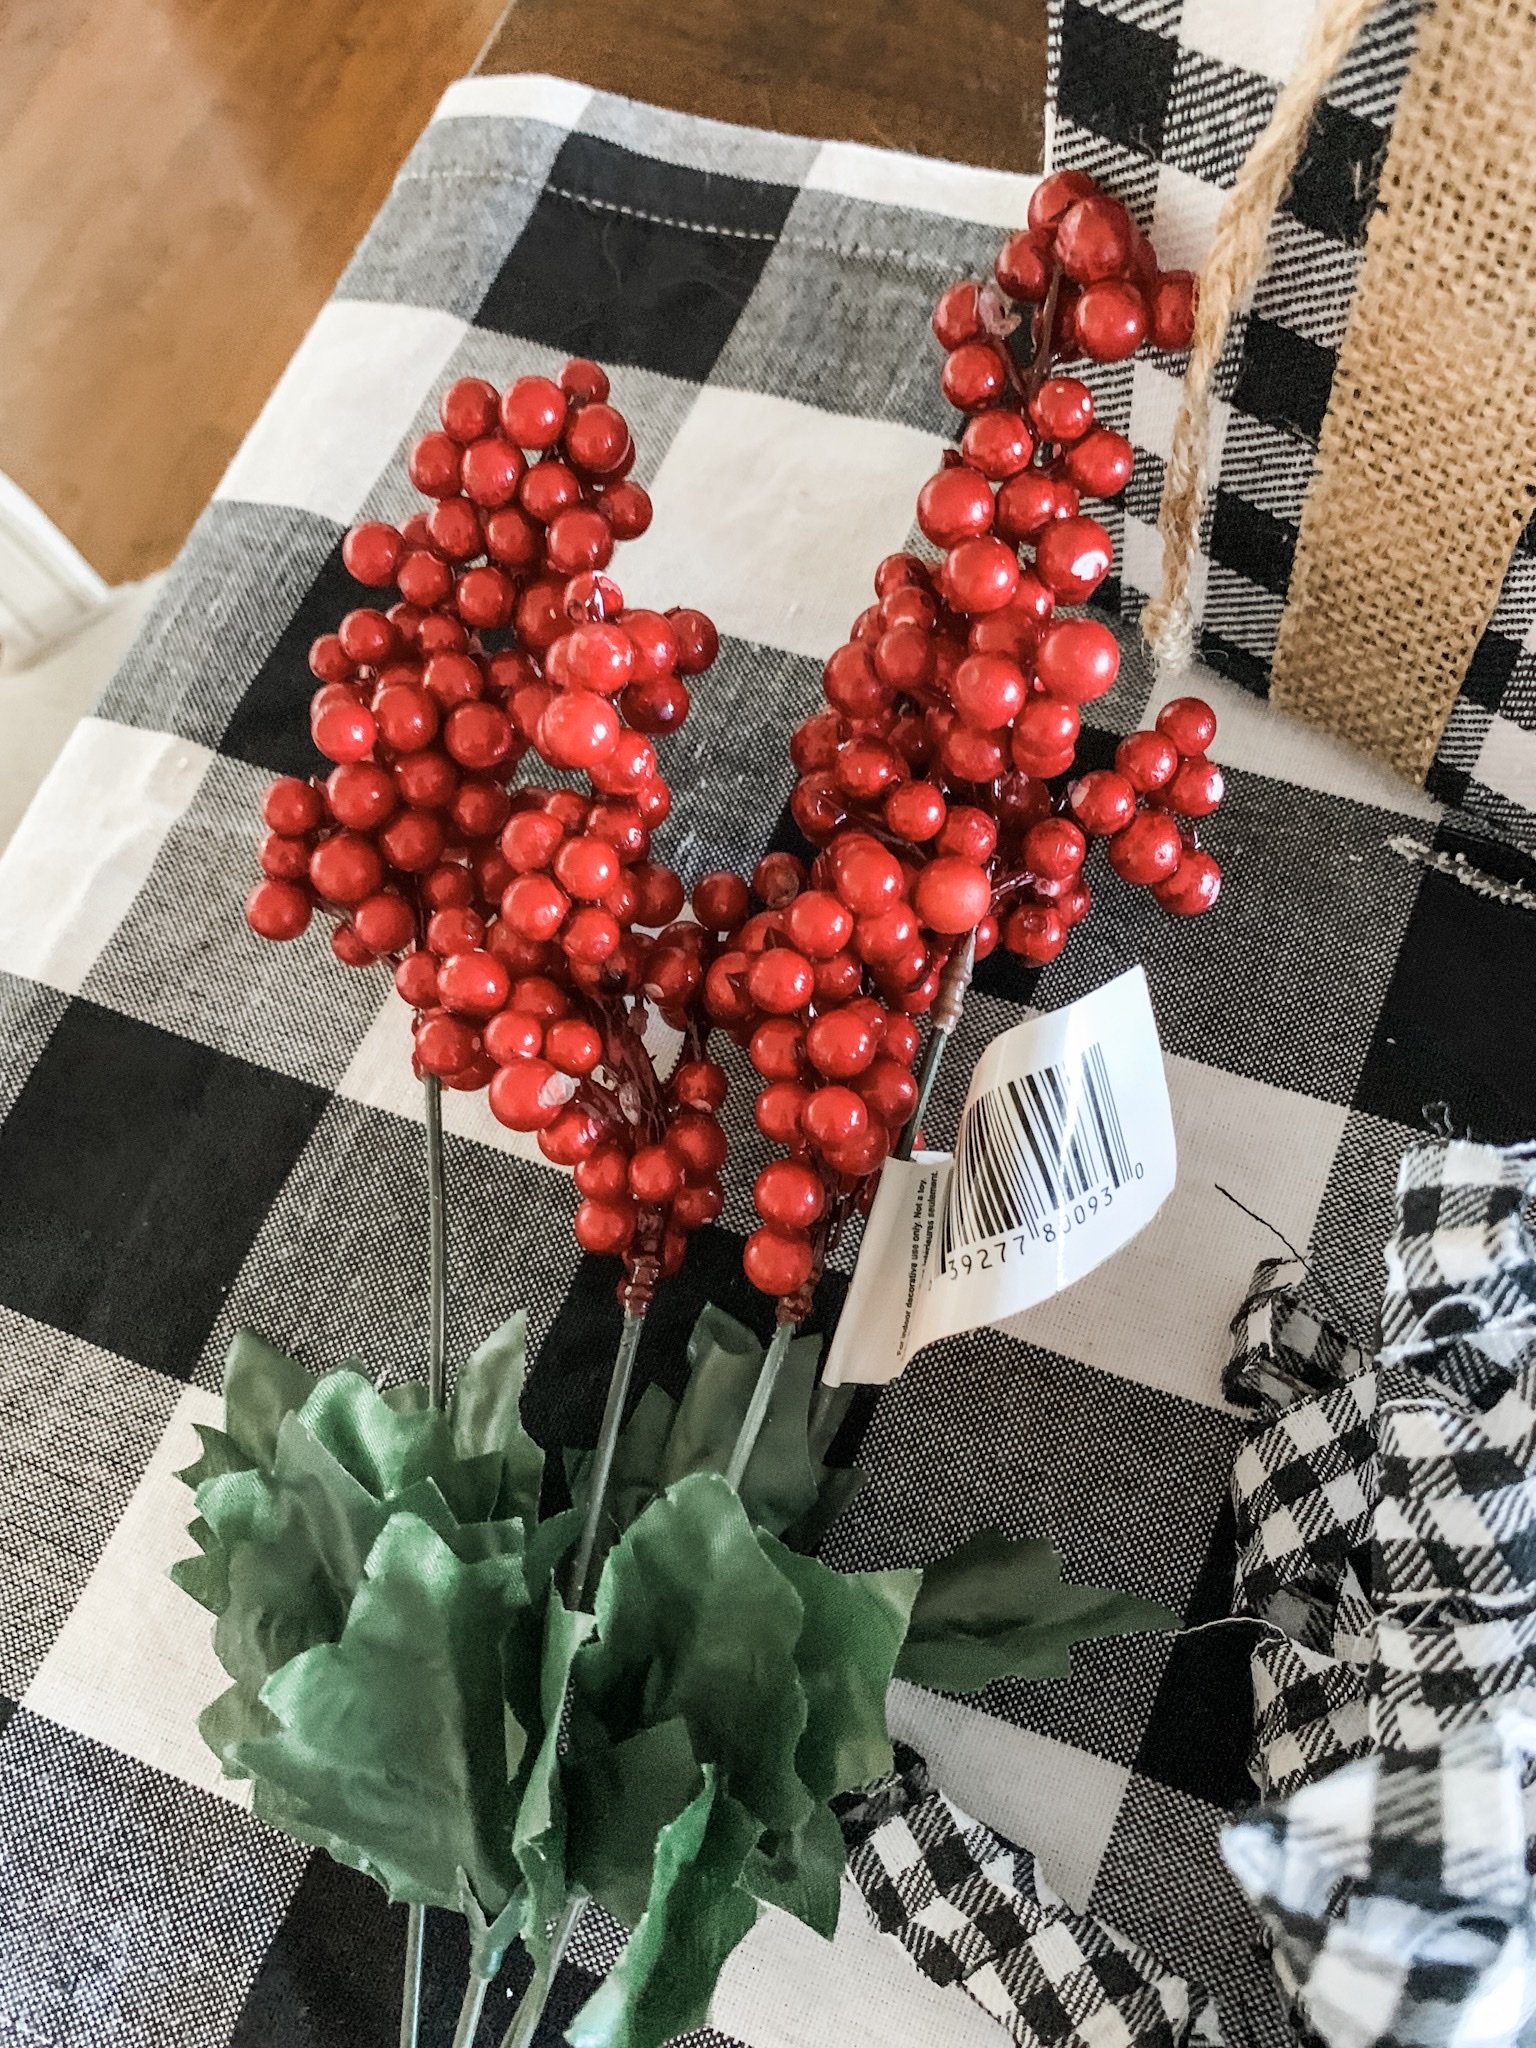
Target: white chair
[62, 632]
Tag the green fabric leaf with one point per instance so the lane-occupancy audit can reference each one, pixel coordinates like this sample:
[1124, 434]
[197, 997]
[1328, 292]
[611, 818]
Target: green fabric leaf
[694, 1621]
[801, 1873]
[236, 1716]
[406, 1397]
[723, 1358]
[219, 1454]
[205, 1578]
[829, 1420]
[485, 1415]
[386, 1452]
[619, 1799]
[539, 1830]
[997, 1607]
[392, 1740]
[780, 1482]
[850, 1638]
[837, 1485]
[262, 1385]
[697, 1913]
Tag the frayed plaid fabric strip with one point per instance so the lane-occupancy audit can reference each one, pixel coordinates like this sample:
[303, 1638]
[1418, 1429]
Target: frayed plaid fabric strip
[1387, 1531]
[972, 1910]
[1396, 1896]
[1281, 1351]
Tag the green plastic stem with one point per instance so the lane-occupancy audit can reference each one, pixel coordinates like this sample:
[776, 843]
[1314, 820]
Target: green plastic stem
[757, 1408]
[602, 1462]
[437, 1394]
[530, 2007]
[437, 1249]
[410, 2004]
[470, 2011]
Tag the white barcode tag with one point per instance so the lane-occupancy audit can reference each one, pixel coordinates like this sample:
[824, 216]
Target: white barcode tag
[1065, 1152]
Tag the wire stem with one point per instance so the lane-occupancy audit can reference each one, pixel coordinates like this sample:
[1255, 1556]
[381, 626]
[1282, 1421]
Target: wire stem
[530, 2007]
[470, 2011]
[757, 1408]
[602, 1462]
[947, 1008]
[437, 1248]
[410, 2003]
[437, 1394]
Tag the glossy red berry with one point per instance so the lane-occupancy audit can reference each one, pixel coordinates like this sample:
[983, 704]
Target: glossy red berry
[1054, 196]
[1021, 269]
[1062, 409]
[278, 910]
[1073, 558]
[952, 895]
[1189, 722]
[1193, 886]
[1028, 503]
[1055, 849]
[528, 1094]
[987, 691]
[780, 981]
[777, 1262]
[1111, 321]
[720, 901]
[974, 375]
[834, 1116]
[998, 445]
[1035, 933]
[1094, 240]
[954, 505]
[1103, 802]
[1147, 760]
[866, 877]
[292, 807]
[1101, 463]
[1174, 298]
[980, 575]
[533, 412]
[700, 1084]
[1147, 850]
[1195, 790]
[603, 1228]
[1077, 659]
[474, 984]
[789, 1195]
[371, 553]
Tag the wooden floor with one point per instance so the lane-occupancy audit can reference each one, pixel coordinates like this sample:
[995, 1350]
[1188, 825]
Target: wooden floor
[181, 182]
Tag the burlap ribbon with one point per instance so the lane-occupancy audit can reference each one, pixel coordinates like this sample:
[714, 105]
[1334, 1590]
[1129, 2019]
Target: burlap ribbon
[1426, 470]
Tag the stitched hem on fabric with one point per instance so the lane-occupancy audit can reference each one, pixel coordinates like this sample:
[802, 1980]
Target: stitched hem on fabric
[858, 252]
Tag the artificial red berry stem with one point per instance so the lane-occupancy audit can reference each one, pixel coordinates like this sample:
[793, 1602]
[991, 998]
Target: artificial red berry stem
[939, 786]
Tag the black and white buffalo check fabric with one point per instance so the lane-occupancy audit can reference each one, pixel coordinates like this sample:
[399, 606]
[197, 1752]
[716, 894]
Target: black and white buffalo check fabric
[1161, 100]
[1388, 1528]
[973, 1910]
[199, 1132]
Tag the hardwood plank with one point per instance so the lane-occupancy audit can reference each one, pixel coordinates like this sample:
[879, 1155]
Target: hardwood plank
[181, 183]
[952, 78]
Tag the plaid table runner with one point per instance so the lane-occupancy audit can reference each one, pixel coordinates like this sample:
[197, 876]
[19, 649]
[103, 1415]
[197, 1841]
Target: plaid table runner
[199, 1132]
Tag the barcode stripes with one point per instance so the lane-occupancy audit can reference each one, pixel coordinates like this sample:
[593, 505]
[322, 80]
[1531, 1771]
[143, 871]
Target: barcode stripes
[1031, 1147]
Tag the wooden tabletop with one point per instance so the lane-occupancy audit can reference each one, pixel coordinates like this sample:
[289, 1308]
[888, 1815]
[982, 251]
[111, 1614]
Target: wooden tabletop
[951, 78]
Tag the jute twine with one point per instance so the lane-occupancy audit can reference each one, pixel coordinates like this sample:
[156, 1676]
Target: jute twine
[1426, 467]
[1427, 462]
[1237, 255]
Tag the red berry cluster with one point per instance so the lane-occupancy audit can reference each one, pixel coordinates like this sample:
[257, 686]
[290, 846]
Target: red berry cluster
[812, 981]
[523, 922]
[938, 782]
